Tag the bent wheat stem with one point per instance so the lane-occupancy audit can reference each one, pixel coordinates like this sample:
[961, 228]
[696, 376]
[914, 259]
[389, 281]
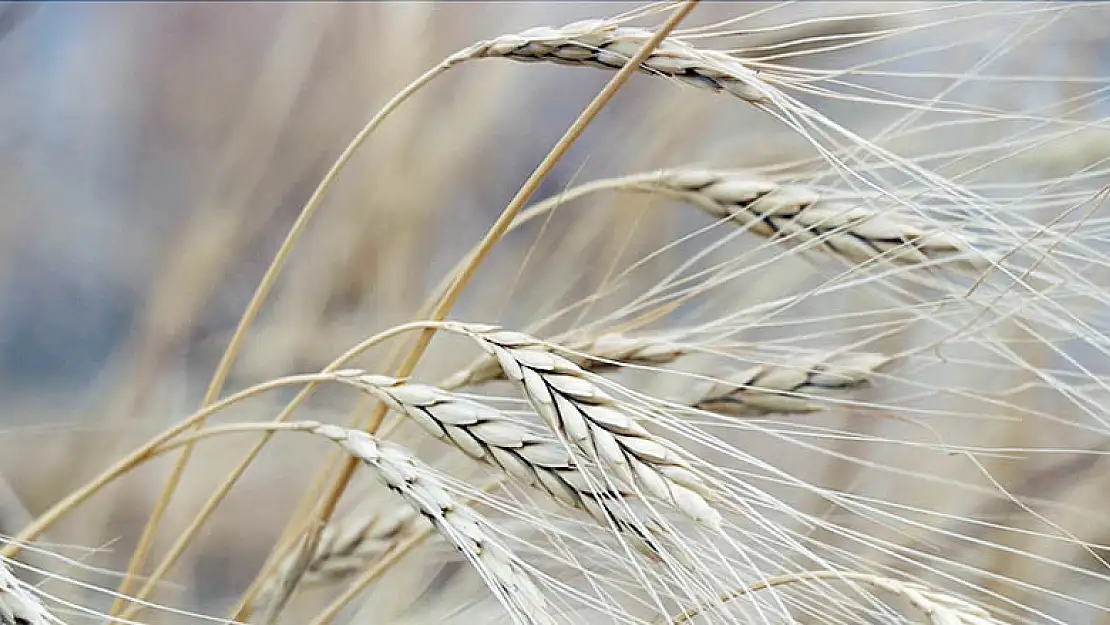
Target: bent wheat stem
[47, 519]
[146, 540]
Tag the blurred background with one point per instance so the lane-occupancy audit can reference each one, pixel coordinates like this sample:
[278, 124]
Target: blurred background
[152, 157]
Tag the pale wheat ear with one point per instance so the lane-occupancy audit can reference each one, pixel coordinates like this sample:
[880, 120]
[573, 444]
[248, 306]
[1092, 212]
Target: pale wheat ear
[345, 547]
[790, 387]
[799, 214]
[603, 429]
[607, 45]
[487, 435]
[938, 607]
[418, 485]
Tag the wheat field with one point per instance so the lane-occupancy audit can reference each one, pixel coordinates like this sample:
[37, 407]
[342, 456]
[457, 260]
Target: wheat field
[551, 312]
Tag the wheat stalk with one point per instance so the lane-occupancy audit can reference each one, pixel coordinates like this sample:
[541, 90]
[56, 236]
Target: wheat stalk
[785, 388]
[456, 522]
[576, 408]
[801, 214]
[940, 608]
[488, 435]
[593, 353]
[19, 606]
[607, 45]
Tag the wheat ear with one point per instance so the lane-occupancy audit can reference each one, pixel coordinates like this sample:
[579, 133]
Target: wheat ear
[457, 523]
[488, 435]
[19, 606]
[607, 45]
[785, 388]
[594, 353]
[801, 214]
[576, 408]
[938, 607]
[345, 547]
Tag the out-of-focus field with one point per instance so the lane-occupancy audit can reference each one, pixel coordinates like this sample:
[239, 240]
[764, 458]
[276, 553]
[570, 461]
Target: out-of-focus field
[152, 157]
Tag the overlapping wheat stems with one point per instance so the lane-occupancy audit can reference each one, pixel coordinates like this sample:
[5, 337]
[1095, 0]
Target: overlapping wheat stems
[938, 607]
[790, 387]
[445, 301]
[18, 605]
[592, 353]
[605, 430]
[457, 523]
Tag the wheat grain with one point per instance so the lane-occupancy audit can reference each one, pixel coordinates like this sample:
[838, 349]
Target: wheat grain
[488, 435]
[787, 388]
[575, 407]
[457, 523]
[607, 45]
[593, 353]
[19, 606]
[801, 214]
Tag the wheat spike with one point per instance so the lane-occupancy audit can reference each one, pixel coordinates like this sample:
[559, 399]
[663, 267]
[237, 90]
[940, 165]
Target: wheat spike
[606, 45]
[488, 435]
[563, 394]
[345, 547]
[939, 608]
[457, 523]
[593, 353]
[777, 211]
[19, 606]
[782, 388]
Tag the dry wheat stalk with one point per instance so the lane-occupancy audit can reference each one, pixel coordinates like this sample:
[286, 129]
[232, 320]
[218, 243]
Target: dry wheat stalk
[488, 435]
[783, 388]
[592, 353]
[801, 214]
[19, 606]
[606, 45]
[576, 408]
[457, 523]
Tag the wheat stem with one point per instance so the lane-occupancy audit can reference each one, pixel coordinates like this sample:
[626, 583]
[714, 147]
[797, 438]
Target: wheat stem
[184, 539]
[47, 519]
[146, 540]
